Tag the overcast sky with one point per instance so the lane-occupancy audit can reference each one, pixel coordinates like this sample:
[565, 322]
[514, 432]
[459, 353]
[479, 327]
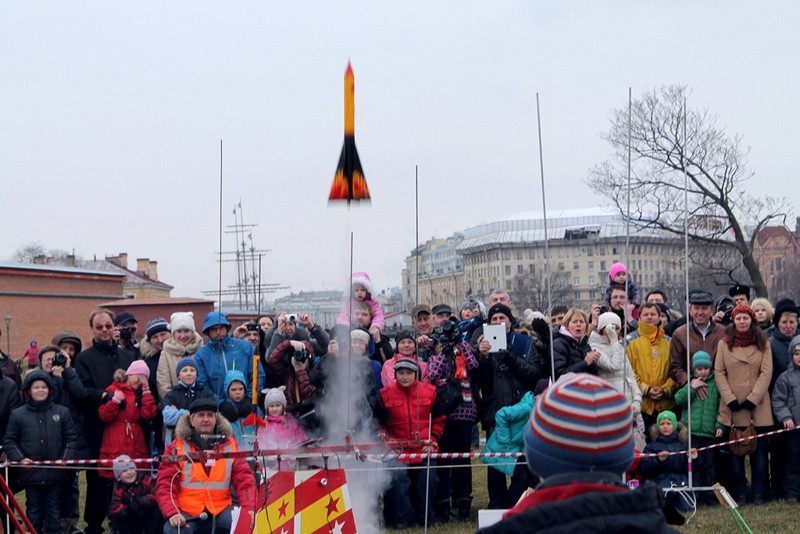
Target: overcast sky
[111, 116]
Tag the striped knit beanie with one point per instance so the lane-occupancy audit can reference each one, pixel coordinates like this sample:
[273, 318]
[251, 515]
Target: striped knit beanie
[581, 423]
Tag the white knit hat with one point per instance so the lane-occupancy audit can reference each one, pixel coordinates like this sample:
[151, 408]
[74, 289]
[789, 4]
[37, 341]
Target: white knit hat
[607, 318]
[180, 320]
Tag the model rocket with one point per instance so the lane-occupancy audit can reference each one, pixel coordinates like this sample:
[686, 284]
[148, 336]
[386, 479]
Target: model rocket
[348, 182]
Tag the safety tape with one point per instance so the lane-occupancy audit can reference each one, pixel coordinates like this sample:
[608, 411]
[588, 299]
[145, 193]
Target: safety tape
[356, 450]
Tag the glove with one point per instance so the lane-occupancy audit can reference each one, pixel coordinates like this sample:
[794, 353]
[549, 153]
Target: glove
[541, 327]
[118, 397]
[747, 405]
[145, 385]
[507, 357]
[734, 405]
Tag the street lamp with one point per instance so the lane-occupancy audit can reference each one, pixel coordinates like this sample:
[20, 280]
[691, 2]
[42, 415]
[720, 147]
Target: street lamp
[8, 333]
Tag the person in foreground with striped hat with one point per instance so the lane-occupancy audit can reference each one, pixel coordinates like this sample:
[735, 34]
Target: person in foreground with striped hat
[579, 441]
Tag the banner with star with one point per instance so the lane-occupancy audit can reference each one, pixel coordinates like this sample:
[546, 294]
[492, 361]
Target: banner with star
[307, 502]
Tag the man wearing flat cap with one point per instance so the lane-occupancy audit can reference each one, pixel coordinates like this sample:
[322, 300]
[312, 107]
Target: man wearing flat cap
[187, 488]
[704, 334]
[441, 313]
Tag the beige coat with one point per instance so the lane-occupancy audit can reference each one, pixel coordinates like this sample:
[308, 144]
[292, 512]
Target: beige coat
[744, 374]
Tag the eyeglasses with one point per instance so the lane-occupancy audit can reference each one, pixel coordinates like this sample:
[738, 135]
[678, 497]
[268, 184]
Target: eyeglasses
[104, 327]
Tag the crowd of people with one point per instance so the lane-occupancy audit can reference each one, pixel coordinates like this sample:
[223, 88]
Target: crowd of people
[171, 390]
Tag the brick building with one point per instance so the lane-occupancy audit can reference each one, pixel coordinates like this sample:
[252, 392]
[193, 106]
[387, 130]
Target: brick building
[777, 250]
[40, 300]
[146, 309]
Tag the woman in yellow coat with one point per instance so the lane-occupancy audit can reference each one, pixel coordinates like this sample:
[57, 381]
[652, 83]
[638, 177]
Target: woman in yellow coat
[743, 369]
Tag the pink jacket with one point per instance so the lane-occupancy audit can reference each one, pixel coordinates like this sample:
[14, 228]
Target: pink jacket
[281, 432]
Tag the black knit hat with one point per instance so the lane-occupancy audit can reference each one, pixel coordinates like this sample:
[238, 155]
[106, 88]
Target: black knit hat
[405, 334]
[783, 306]
[500, 308]
[200, 405]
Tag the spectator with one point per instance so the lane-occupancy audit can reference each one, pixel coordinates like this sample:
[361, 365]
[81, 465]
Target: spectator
[156, 334]
[557, 315]
[68, 391]
[287, 328]
[406, 348]
[68, 342]
[705, 425]
[10, 399]
[441, 313]
[362, 290]
[41, 430]
[666, 468]
[454, 361]
[203, 488]
[178, 399]
[787, 411]
[378, 349]
[9, 368]
[281, 430]
[236, 406]
[222, 354]
[704, 334]
[618, 279]
[404, 412]
[581, 461]
[96, 366]
[571, 350]
[740, 294]
[613, 364]
[249, 331]
[764, 313]
[125, 327]
[291, 362]
[503, 378]
[131, 401]
[134, 509]
[32, 355]
[649, 353]
[743, 371]
[422, 318]
[184, 342]
[785, 322]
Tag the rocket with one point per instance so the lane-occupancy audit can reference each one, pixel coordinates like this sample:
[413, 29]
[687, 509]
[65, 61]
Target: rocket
[348, 182]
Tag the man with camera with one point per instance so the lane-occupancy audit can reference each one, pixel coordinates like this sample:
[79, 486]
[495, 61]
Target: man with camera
[704, 334]
[286, 327]
[619, 306]
[291, 361]
[125, 326]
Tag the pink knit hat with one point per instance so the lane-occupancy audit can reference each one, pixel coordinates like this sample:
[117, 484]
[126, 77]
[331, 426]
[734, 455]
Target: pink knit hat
[138, 367]
[617, 268]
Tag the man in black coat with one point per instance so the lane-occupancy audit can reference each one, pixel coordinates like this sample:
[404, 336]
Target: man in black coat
[96, 366]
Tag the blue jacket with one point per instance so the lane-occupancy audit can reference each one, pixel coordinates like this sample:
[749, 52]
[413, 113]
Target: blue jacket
[218, 357]
[177, 401]
[236, 412]
[509, 430]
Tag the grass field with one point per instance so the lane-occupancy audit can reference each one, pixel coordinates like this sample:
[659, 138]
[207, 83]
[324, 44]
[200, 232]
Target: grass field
[774, 518]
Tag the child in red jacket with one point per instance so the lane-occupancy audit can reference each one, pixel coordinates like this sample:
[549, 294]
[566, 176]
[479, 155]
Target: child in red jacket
[134, 509]
[404, 413]
[131, 401]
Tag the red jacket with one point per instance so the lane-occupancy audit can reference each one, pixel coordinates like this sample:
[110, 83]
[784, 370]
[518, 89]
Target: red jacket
[298, 386]
[123, 433]
[407, 411]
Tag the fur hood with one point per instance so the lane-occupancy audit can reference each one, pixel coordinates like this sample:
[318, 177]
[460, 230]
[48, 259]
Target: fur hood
[147, 349]
[183, 429]
[683, 433]
[173, 348]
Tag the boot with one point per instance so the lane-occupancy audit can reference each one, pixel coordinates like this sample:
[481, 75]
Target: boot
[464, 506]
[442, 510]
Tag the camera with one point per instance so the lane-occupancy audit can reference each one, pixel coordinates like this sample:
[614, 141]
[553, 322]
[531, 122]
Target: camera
[447, 333]
[726, 305]
[302, 356]
[60, 359]
[603, 309]
[126, 333]
[291, 317]
[252, 326]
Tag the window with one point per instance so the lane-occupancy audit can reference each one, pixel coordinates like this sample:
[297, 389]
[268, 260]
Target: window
[590, 251]
[602, 251]
[614, 250]
[560, 266]
[591, 280]
[531, 253]
[532, 268]
[603, 265]
[519, 254]
[506, 254]
[508, 270]
[577, 295]
[560, 252]
[519, 269]
[576, 281]
[575, 266]
[508, 284]
[576, 252]
[591, 266]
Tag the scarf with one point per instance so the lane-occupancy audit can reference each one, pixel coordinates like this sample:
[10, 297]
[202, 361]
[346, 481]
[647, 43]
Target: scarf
[743, 339]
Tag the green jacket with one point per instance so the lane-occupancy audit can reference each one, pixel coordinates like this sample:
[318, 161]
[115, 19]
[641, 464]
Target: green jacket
[704, 411]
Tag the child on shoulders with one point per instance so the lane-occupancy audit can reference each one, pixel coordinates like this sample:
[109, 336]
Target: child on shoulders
[617, 276]
[361, 290]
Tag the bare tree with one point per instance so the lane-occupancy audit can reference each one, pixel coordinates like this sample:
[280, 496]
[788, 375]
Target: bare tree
[26, 253]
[666, 141]
[531, 291]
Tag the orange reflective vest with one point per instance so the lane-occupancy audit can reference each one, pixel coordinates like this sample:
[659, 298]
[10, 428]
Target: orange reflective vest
[201, 491]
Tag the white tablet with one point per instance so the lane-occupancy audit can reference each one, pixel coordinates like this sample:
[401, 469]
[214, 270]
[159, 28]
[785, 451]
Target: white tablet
[495, 334]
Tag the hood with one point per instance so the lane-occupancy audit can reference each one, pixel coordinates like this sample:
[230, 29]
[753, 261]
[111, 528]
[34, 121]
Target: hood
[147, 349]
[231, 376]
[682, 434]
[68, 335]
[183, 429]
[214, 318]
[363, 279]
[38, 374]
